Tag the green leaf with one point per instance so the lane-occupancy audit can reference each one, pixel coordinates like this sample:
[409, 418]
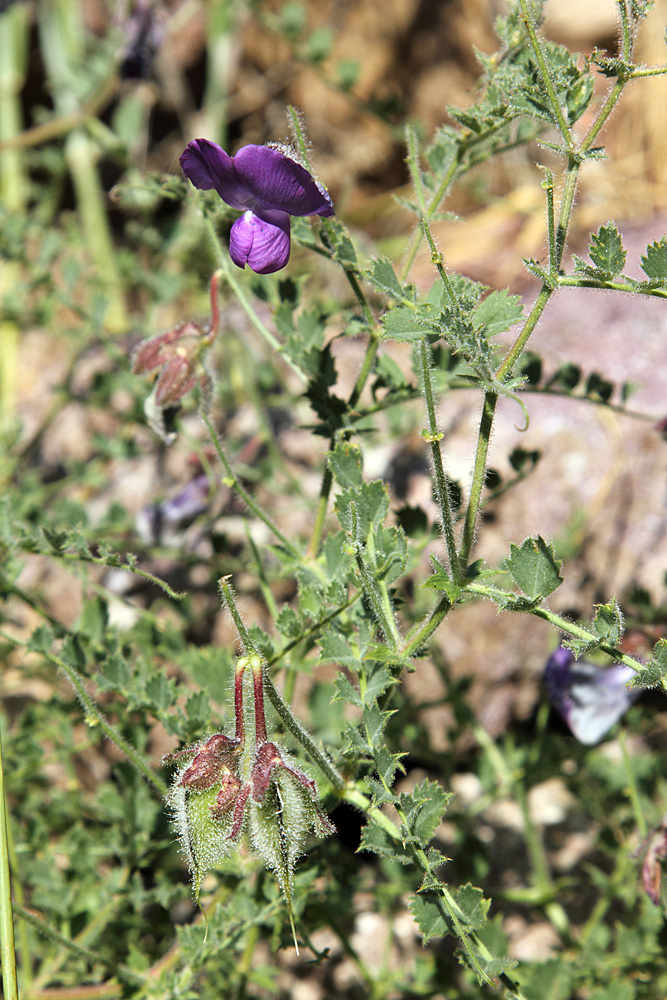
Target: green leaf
[654, 674]
[430, 911]
[345, 462]
[387, 763]
[430, 916]
[94, 618]
[654, 261]
[606, 250]
[198, 709]
[335, 648]
[377, 683]
[408, 325]
[534, 568]
[346, 691]
[371, 503]
[474, 906]
[375, 839]
[424, 808]
[608, 623]
[159, 691]
[383, 277]
[498, 312]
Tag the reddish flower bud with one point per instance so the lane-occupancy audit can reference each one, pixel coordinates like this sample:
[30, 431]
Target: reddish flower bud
[181, 354]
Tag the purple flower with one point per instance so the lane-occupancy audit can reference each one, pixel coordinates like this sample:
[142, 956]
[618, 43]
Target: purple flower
[268, 187]
[590, 699]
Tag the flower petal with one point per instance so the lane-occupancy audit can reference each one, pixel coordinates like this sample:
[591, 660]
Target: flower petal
[262, 242]
[208, 166]
[278, 183]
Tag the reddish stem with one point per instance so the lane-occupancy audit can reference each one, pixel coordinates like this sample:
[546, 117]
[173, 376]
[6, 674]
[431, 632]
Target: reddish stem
[238, 701]
[260, 718]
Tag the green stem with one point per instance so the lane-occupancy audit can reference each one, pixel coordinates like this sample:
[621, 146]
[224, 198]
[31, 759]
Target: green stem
[7, 949]
[225, 270]
[434, 438]
[419, 634]
[94, 715]
[14, 28]
[301, 734]
[235, 484]
[505, 597]
[478, 477]
[438, 261]
[121, 971]
[548, 184]
[375, 589]
[327, 476]
[642, 71]
[438, 195]
[321, 512]
[451, 910]
[313, 630]
[566, 206]
[536, 46]
[366, 366]
[573, 281]
[632, 789]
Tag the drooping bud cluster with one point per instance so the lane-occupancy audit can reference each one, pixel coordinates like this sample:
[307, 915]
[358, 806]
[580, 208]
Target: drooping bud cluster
[228, 788]
[180, 356]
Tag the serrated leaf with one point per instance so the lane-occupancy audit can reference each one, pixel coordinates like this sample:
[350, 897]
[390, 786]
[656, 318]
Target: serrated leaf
[654, 673]
[441, 580]
[377, 683]
[383, 277]
[375, 722]
[198, 709]
[345, 462]
[606, 250]
[580, 646]
[430, 916]
[654, 261]
[498, 312]
[114, 672]
[608, 623]
[407, 325]
[387, 763]
[334, 648]
[473, 905]
[346, 691]
[371, 503]
[424, 808]
[159, 691]
[375, 839]
[534, 568]
[41, 640]
[94, 618]
[288, 622]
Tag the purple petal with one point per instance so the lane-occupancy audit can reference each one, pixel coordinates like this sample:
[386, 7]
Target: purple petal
[262, 242]
[590, 699]
[278, 183]
[208, 166]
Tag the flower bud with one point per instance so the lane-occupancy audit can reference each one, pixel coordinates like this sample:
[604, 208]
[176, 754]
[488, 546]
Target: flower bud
[283, 810]
[201, 800]
[181, 356]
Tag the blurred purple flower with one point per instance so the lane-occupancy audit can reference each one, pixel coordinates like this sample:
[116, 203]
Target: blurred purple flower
[590, 699]
[180, 509]
[268, 187]
[143, 33]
